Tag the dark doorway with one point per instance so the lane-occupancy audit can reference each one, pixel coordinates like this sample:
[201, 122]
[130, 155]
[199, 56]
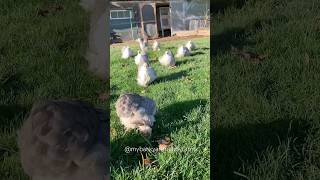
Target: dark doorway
[163, 20]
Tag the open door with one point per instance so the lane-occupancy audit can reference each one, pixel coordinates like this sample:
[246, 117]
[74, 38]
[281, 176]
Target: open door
[165, 20]
[148, 19]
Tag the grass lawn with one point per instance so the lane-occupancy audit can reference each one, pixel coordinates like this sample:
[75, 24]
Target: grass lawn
[40, 58]
[182, 97]
[267, 115]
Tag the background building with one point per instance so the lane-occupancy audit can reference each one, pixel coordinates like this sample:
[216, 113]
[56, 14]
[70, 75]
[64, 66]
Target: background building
[130, 19]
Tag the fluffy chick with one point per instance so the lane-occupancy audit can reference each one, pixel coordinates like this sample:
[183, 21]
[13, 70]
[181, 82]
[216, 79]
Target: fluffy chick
[126, 52]
[141, 58]
[64, 140]
[167, 59]
[143, 44]
[136, 112]
[146, 75]
[182, 51]
[96, 53]
[156, 46]
[190, 45]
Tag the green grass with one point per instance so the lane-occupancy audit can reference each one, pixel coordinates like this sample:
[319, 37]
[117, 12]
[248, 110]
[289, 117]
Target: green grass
[266, 116]
[40, 58]
[182, 96]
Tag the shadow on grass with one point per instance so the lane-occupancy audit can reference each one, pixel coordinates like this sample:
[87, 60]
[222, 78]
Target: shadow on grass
[171, 77]
[222, 42]
[10, 111]
[242, 144]
[10, 115]
[171, 48]
[11, 81]
[185, 61]
[197, 53]
[127, 159]
[167, 121]
[204, 48]
[221, 5]
[12, 87]
[167, 118]
[114, 97]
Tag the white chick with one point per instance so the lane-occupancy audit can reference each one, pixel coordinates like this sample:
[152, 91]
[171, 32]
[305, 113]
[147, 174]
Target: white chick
[96, 53]
[64, 140]
[183, 51]
[146, 75]
[167, 59]
[136, 112]
[190, 45]
[126, 52]
[156, 46]
[143, 44]
[141, 58]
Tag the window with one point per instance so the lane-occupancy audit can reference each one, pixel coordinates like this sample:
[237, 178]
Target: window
[120, 14]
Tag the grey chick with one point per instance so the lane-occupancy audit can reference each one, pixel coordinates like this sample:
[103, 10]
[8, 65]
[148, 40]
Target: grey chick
[146, 74]
[156, 46]
[126, 52]
[143, 44]
[64, 140]
[136, 112]
[141, 58]
[191, 46]
[183, 51]
[167, 59]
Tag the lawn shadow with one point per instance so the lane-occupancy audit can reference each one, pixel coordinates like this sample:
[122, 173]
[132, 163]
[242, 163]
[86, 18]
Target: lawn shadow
[221, 5]
[167, 117]
[121, 157]
[8, 113]
[222, 42]
[113, 97]
[242, 144]
[14, 86]
[196, 53]
[171, 77]
[185, 61]
[11, 81]
[170, 48]
[204, 48]
[165, 124]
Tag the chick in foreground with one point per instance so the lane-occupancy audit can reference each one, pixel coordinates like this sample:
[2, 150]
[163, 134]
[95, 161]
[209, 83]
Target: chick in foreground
[126, 52]
[191, 46]
[136, 112]
[64, 140]
[182, 52]
[141, 58]
[167, 59]
[146, 75]
[156, 46]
